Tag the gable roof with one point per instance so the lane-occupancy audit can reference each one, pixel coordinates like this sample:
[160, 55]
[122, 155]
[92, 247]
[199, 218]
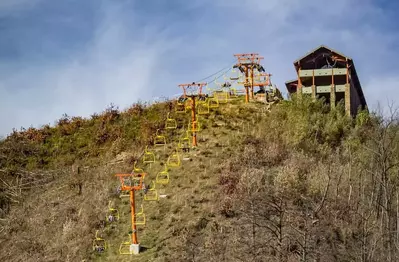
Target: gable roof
[319, 48]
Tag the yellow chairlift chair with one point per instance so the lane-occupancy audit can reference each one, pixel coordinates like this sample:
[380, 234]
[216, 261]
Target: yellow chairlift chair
[112, 214]
[209, 90]
[124, 247]
[181, 104]
[140, 217]
[203, 106]
[123, 194]
[163, 177]
[184, 142]
[151, 194]
[173, 160]
[234, 75]
[170, 123]
[213, 102]
[99, 244]
[222, 96]
[233, 92]
[159, 140]
[137, 170]
[148, 157]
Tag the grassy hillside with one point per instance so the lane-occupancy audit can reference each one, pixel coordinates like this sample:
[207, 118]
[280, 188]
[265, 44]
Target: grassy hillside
[299, 183]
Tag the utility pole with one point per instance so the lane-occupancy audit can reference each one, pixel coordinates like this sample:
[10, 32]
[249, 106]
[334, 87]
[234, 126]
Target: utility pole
[193, 91]
[132, 182]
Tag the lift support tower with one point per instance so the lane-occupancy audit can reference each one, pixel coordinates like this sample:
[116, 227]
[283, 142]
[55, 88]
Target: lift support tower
[193, 91]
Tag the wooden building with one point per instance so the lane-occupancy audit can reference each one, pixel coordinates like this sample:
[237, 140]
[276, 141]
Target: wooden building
[324, 72]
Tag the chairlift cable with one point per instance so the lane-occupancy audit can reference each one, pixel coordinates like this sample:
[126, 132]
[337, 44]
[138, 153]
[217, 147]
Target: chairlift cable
[217, 72]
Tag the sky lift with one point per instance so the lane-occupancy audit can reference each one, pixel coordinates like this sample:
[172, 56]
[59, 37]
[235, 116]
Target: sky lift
[203, 105]
[124, 248]
[136, 169]
[222, 96]
[184, 142]
[139, 218]
[235, 75]
[159, 140]
[233, 92]
[151, 194]
[173, 160]
[213, 102]
[148, 157]
[112, 214]
[209, 90]
[163, 177]
[170, 123]
[99, 244]
[181, 104]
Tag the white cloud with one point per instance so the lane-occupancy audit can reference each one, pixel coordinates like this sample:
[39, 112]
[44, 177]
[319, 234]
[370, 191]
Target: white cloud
[125, 62]
[116, 67]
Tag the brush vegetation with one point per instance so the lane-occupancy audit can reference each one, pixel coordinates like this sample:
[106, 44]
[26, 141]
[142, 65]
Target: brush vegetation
[299, 183]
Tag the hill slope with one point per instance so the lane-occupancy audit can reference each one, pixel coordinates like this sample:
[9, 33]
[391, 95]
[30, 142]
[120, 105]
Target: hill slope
[299, 183]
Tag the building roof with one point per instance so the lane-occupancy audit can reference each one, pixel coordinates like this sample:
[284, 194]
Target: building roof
[319, 48]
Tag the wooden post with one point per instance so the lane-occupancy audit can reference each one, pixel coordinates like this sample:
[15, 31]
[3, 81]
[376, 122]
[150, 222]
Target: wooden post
[347, 92]
[332, 91]
[299, 87]
[313, 87]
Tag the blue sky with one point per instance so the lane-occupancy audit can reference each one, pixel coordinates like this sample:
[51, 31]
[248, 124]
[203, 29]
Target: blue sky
[78, 56]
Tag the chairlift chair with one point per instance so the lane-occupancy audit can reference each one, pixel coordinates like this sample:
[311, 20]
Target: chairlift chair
[152, 193]
[124, 247]
[184, 142]
[99, 244]
[137, 170]
[163, 177]
[235, 75]
[140, 217]
[222, 96]
[203, 107]
[173, 160]
[209, 90]
[159, 140]
[181, 105]
[112, 214]
[213, 102]
[148, 157]
[170, 123]
[233, 92]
